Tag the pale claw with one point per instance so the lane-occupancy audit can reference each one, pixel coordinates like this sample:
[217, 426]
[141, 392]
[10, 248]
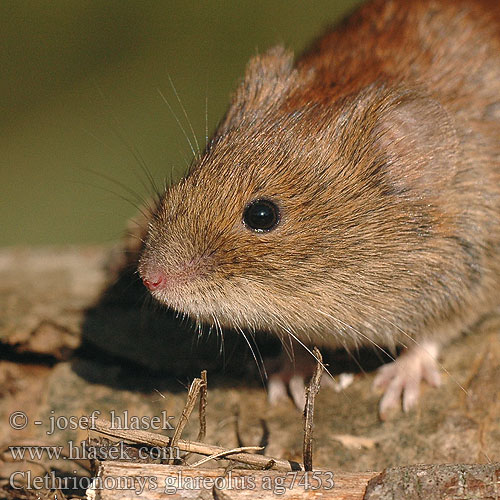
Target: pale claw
[339, 383]
[402, 377]
[276, 390]
[278, 387]
[288, 376]
[297, 388]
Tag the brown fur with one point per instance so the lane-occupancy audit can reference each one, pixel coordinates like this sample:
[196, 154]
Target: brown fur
[381, 146]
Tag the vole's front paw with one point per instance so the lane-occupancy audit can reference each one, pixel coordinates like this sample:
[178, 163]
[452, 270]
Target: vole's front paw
[402, 377]
[288, 379]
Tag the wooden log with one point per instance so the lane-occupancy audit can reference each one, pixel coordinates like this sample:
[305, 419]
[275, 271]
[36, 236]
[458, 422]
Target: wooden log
[124, 480]
[429, 482]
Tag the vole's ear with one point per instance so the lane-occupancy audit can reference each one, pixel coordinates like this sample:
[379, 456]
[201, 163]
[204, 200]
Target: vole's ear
[267, 78]
[267, 75]
[416, 136]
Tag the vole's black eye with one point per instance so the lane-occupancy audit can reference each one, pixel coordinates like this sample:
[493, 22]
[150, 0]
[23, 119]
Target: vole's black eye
[261, 215]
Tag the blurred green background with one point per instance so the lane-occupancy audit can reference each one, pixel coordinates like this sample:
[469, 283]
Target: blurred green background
[79, 90]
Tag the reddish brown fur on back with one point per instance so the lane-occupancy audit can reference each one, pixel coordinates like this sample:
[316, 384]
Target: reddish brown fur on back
[381, 148]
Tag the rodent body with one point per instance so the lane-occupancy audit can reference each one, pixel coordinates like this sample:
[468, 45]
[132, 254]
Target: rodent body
[380, 149]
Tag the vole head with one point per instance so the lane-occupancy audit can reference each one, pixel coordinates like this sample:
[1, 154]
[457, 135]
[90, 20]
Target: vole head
[299, 212]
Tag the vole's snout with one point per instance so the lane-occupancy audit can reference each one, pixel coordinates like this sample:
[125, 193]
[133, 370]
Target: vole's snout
[153, 282]
[167, 281]
[153, 278]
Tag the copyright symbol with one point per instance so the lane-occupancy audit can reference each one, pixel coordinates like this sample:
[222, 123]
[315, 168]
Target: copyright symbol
[18, 420]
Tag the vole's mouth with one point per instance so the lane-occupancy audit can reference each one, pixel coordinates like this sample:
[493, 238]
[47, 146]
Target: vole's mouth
[184, 289]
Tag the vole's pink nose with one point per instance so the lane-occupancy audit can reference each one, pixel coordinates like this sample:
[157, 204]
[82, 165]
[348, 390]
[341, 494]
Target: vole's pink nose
[153, 282]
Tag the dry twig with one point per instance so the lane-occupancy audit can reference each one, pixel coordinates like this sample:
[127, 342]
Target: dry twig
[311, 391]
[203, 407]
[192, 396]
[153, 439]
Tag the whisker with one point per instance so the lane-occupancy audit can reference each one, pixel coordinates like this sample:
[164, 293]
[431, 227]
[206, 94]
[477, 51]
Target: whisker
[206, 120]
[185, 114]
[126, 188]
[178, 121]
[142, 162]
[260, 365]
[288, 348]
[289, 331]
[133, 151]
[357, 332]
[139, 208]
[184, 158]
[407, 335]
[206, 113]
[252, 335]
[218, 332]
